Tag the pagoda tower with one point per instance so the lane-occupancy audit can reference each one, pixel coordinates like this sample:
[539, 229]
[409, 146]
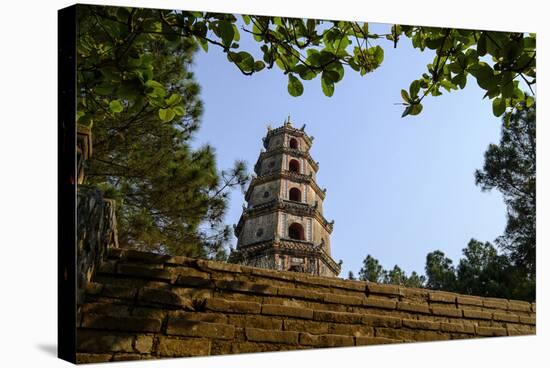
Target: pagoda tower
[282, 227]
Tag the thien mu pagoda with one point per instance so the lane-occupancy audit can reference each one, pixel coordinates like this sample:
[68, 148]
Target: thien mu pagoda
[282, 227]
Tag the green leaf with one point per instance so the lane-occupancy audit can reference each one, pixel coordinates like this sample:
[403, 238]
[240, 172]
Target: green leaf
[173, 99]
[459, 80]
[115, 106]
[507, 88]
[406, 112]
[304, 72]
[258, 65]
[416, 109]
[448, 85]
[529, 101]
[327, 85]
[405, 96]
[484, 75]
[414, 88]
[336, 67]
[482, 45]
[499, 106]
[246, 61]
[295, 87]
[166, 115]
[226, 32]
[179, 110]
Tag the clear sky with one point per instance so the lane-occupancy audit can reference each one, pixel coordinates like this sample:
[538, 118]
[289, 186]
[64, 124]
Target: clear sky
[397, 188]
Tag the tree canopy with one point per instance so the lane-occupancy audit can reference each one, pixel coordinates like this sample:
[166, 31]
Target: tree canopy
[304, 49]
[136, 92]
[510, 168]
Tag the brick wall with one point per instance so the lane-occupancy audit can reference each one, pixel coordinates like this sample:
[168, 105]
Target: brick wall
[142, 305]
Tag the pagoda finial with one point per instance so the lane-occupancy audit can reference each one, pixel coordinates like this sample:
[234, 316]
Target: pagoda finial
[287, 122]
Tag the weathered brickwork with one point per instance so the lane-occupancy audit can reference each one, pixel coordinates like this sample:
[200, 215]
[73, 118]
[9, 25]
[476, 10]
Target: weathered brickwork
[142, 305]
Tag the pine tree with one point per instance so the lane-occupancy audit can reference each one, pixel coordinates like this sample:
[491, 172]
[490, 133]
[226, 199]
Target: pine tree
[137, 93]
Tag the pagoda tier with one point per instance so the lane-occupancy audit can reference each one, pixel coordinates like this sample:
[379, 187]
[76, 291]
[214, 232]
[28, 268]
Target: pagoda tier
[282, 226]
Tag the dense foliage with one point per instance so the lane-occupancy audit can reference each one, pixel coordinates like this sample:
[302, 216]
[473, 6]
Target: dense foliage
[305, 49]
[136, 92]
[510, 167]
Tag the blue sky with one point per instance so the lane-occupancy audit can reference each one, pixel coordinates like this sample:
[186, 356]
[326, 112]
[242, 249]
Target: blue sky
[397, 188]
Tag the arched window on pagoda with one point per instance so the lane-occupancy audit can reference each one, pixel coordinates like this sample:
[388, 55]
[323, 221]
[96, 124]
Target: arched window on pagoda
[296, 231]
[294, 194]
[293, 143]
[294, 166]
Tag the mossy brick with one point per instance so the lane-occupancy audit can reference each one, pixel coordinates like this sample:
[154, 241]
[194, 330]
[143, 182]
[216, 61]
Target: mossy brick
[518, 330]
[350, 330]
[342, 299]
[380, 303]
[188, 328]
[374, 288]
[143, 344]
[118, 292]
[518, 305]
[266, 323]
[338, 317]
[218, 266]
[469, 300]
[261, 335]
[367, 340]
[415, 294]
[224, 305]
[126, 324]
[442, 297]
[505, 317]
[413, 307]
[124, 357]
[348, 284]
[382, 321]
[287, 311]
[144, 272]
[299, 293]
[527, 320]
[86, 358]
[173, 347]
[425, 335]
[150, 311]
[393, 333]
[163, 297]
[106, 309]
[490, 331]
[448, 312]
[476, 314]
[457, 328]
[101, 342]
[247, 287]
[194, 281]
[301, 325]
[495, 303]
[421, 324]
[325, 341]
